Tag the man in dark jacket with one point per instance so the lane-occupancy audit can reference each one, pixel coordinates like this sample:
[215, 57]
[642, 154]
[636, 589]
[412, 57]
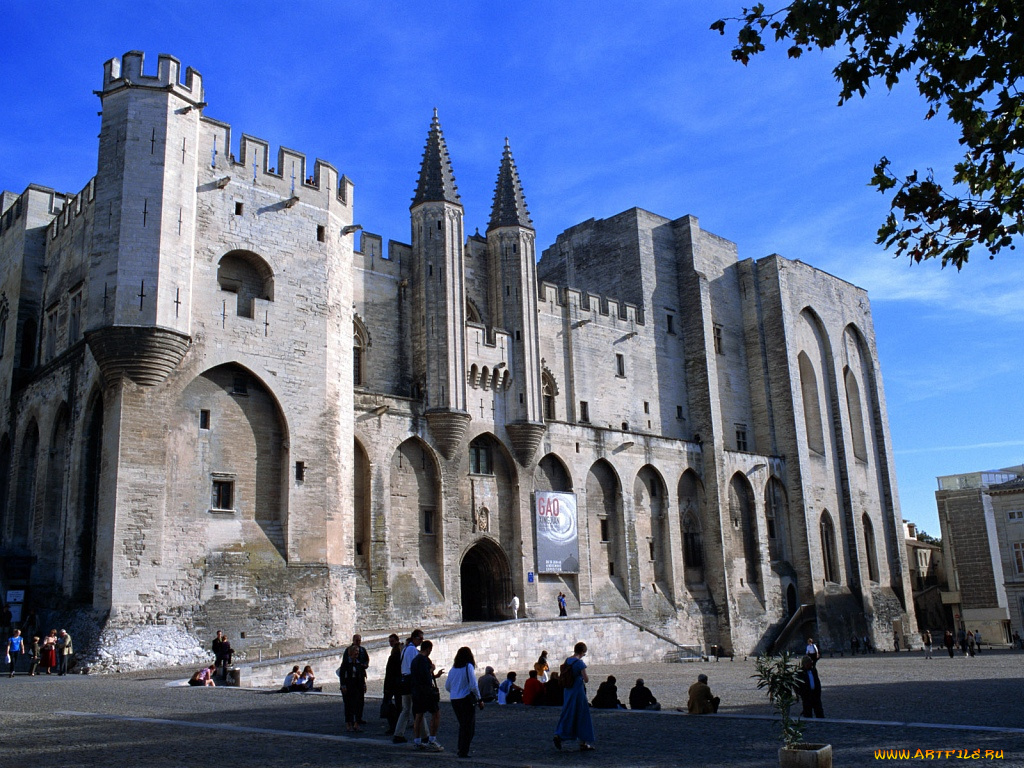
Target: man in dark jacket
[809, 688]
[640, 697]
[425, 696]
[392, 704]
[607, 696]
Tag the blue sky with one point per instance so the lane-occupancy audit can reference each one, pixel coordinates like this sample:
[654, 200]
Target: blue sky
[607, 106]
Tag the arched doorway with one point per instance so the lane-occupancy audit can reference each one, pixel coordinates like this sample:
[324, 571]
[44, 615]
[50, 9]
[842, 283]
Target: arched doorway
[486, 583]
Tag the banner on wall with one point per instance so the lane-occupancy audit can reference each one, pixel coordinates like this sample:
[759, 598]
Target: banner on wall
[558, 543]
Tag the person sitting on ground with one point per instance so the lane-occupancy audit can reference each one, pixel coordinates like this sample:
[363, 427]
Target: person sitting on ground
[700, 701]
[640, 697]
[607, 696]
[307, 679]
[204, 677]
[554, 695]
[488, 685]
[533, 691]
[292, 678]
[509, 692]
[542, 667]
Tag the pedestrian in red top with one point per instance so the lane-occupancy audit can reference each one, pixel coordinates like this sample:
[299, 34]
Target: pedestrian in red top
[533, 691]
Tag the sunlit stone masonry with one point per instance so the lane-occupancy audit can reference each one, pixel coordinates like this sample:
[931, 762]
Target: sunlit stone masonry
[227, 408]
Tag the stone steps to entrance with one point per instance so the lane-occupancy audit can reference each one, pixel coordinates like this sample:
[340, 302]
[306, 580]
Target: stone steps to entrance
[504, 645]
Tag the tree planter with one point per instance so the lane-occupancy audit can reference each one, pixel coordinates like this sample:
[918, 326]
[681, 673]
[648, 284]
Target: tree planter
[806, 756]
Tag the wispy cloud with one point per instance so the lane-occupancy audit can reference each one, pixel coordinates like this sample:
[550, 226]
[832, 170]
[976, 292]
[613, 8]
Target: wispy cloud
[970, 447]
[982, 289]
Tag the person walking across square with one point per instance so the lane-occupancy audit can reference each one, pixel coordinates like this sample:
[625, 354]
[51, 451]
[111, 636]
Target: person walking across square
[15, 650]
[575, 722]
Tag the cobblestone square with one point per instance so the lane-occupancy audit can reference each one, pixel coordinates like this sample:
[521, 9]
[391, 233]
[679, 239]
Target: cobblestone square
[878, 702]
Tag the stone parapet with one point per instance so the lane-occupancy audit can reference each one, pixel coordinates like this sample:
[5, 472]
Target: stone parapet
[506, 645]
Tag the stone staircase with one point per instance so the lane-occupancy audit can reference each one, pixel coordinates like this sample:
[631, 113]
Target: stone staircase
[504, 645]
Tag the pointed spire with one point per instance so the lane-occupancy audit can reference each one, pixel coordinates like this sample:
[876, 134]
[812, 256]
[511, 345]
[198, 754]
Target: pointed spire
[509, 208]
[437, 181]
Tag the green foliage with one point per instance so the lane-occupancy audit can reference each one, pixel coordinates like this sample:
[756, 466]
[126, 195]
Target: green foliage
[965, 57]
[927, 538]
[779, 677]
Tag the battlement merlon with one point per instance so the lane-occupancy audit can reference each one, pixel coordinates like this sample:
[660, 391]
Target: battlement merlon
[288, 177]
[127, 72]
[594, 304]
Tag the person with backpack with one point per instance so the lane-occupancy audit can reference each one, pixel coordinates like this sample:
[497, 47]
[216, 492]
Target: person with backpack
[575, 722]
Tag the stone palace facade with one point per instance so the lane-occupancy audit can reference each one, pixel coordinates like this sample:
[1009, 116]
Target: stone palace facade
[219, 414]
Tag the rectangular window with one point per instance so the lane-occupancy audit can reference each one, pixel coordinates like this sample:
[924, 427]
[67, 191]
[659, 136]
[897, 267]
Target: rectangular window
[480, 460]
[647, 407]
[1016, 514]
[223, 494]
[428, 521]
[611, 567]
[51, 337]
[321, 233]
[650, 550]
[741, 437]
[204, 419]
[679, 411]
[670, 324]
[1018, 557]
[75, 318]
[238, 209]
[719, 346]
[604, 529]
[620, 365]
[300, 471]
[584, 412]
[240, 385]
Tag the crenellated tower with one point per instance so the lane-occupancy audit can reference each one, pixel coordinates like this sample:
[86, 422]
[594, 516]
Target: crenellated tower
[511, 252]
[439, 295]
[141, 273]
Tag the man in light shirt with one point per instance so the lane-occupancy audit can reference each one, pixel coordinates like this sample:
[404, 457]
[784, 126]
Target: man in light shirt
[409, 652]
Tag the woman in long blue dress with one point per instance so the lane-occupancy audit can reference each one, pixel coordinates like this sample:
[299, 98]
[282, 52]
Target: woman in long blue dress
[575, 722]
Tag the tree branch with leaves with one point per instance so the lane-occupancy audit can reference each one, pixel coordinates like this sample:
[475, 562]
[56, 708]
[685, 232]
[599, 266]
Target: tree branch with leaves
[966, 60]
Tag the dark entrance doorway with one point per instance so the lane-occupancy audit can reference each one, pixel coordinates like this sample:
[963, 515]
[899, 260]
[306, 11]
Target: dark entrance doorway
[486, 583]
[791, 600]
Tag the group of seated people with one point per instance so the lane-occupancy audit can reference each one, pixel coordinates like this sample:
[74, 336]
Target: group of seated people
[533, 693]
[700, 701]
[640, 696]
[297, 682]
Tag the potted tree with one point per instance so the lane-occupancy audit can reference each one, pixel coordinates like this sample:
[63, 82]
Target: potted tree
[779, 678]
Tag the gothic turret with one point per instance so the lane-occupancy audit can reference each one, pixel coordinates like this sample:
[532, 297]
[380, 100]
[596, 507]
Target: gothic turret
[439, 295]
[509, 207]
[141, 278]
[437, 180]
[513, 297]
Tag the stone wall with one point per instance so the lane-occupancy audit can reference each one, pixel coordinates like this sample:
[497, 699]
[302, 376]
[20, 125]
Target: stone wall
[506, 646]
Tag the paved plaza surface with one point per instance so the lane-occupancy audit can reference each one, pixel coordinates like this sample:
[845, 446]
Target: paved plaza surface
[878, 702]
